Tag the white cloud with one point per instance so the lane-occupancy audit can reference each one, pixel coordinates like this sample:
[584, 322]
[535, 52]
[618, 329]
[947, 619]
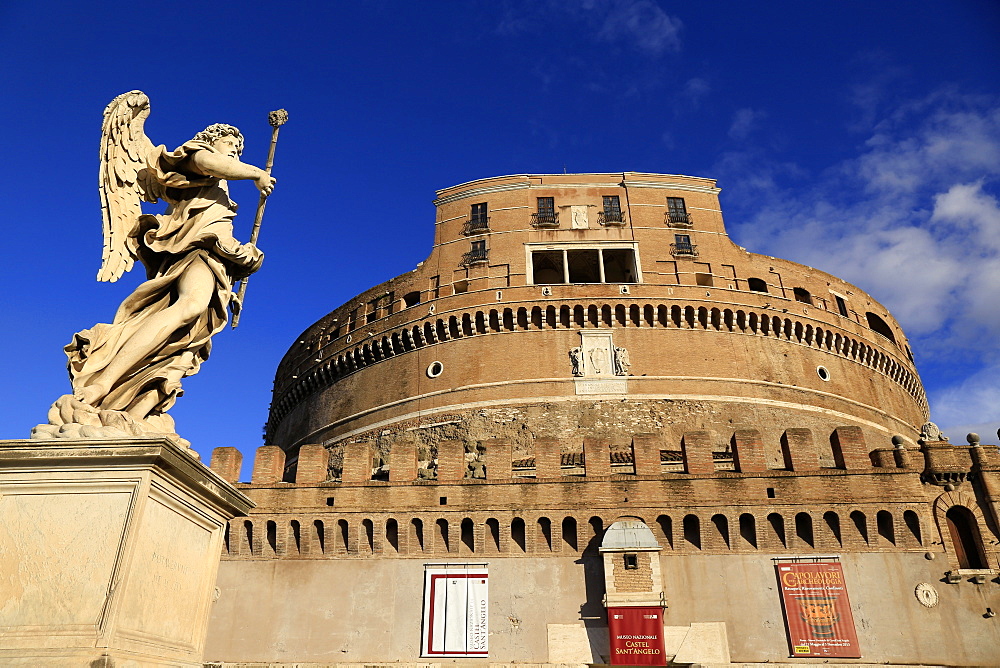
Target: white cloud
[914, 220]
[639, 22]
[744, 122]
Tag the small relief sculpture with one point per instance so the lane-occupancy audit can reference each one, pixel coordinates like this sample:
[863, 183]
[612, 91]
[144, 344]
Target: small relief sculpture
[930, 433]
[622, 362]
[576, 357]
[126, 375]
[599, 361]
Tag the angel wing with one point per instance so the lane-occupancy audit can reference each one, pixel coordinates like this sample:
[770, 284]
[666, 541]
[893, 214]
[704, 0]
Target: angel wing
[123, 186]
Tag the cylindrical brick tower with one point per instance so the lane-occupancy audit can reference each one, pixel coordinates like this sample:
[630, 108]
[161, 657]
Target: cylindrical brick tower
[575, 305]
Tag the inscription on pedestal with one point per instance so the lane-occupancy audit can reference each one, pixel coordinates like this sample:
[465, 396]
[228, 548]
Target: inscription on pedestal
[600, 386]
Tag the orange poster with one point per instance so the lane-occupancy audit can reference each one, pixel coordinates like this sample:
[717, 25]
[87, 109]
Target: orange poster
[817, 611]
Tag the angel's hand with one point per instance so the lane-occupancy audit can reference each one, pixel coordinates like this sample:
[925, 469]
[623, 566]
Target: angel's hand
[265, 184]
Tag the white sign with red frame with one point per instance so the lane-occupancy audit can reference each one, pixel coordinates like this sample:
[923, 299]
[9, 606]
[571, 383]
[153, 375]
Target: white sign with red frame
[456, 611]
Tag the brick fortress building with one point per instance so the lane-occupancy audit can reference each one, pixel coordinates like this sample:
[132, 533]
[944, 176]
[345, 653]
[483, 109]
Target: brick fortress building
[591, 397]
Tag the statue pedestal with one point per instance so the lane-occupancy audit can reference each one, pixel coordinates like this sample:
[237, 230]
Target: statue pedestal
[108, 552]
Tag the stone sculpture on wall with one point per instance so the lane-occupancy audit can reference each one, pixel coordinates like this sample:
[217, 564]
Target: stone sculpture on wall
[576, 357]
[126, 375]
[622, 361]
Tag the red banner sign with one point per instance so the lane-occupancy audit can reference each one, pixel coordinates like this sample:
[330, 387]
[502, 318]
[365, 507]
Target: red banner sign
[636, 636]
[817, 611]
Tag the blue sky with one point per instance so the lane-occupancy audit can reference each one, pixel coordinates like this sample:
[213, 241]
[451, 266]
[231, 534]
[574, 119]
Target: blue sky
[861, 138]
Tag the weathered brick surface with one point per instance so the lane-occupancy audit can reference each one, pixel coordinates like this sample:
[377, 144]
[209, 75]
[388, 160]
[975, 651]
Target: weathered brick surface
[597, 456]
[850, 451]
[268, 464]
[498, 459]
[312, 465]
[403, 461]
[799, 450]
[227, 463]
[748, 451]
[646, 454]
[357, 463]
[451, 461]
[696, 447]
[548, 458]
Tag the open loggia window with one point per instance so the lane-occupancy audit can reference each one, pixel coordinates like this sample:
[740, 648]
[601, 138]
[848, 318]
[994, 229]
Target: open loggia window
[556, 266]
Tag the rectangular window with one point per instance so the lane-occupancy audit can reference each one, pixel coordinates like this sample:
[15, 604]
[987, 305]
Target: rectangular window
[546, 215]
[612, 213]
[584, 265]
[619, 265]
[548, 268]
[677, 211]
[841, 305]
[682, 245]
[631, 561]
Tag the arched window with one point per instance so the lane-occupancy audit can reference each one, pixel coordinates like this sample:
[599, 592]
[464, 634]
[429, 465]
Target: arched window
[468, 537]
[861, 524]
[748, 529]
[417, 526]
[272, 536]
[569, 533]
[296, 535]
[369, 528]
[666, 526]
[342, 526]
[832, 520]
[879, 325]
[757, 285]
[319, 536]
[545, 529]
[494, 528]
[804, 528]
[965, 537]
[777, 523]
[392, 534]
[721, 523]
[883, 522]
[692, 531]
[912, 523]
[442, 534]
[517, 533]
[802, 295]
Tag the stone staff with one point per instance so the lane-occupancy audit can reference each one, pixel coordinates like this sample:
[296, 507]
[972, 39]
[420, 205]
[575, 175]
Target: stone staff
[276, 119]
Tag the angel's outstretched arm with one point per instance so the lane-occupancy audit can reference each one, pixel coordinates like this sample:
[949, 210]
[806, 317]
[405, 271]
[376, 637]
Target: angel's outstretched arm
[231, 169]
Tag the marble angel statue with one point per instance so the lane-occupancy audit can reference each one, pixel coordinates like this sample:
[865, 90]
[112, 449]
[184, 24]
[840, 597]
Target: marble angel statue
[127, 374]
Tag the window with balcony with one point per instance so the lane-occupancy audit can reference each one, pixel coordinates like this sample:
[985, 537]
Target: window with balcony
[545, 215]
[478, 254]
[479, 219]
[677, 215]
[612, 213]
[682, 246]
[583, 265]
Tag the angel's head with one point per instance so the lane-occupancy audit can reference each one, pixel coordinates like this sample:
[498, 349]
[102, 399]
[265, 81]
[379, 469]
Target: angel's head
[226, 138]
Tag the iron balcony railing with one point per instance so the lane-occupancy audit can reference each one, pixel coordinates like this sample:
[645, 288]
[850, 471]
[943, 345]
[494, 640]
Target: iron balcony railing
[545, 219]
[475, 256]
[611, 218]
[675, 219]
[687, 250]
[477, 225]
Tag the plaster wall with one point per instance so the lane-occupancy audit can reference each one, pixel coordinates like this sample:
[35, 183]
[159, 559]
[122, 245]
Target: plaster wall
[370, 610]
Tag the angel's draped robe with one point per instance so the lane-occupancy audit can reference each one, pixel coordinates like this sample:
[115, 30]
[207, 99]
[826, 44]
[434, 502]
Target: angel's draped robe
[196, 228]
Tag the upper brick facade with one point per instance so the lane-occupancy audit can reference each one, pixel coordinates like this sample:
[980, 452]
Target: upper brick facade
[521, 265]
